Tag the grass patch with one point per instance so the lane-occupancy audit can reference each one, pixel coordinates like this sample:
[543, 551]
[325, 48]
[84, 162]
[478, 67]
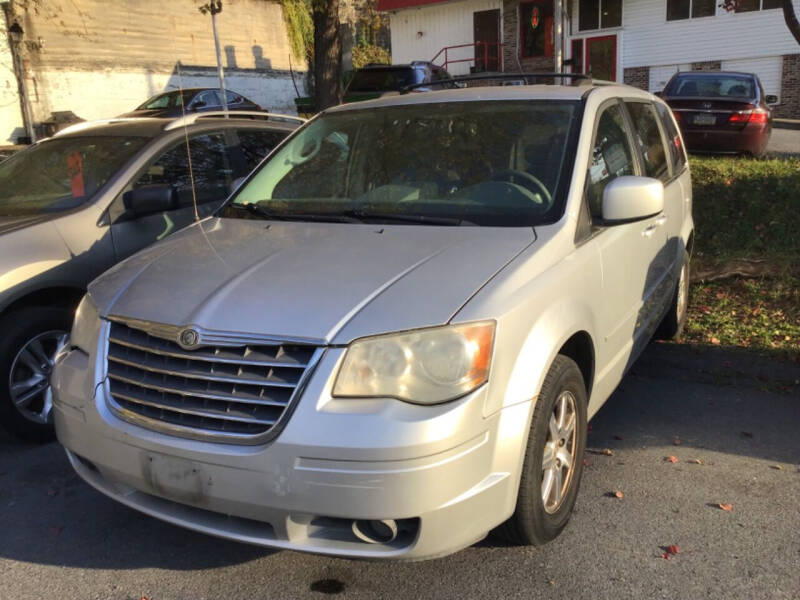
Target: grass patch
[745, 209]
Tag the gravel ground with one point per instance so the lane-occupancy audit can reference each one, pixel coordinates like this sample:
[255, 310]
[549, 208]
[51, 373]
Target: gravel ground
[729, 410]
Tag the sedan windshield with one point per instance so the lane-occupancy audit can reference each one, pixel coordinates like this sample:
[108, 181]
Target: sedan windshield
[61, 173]
[712, 86]
[494, 163]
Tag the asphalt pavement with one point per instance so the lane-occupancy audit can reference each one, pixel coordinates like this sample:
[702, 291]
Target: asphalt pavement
[731, 419]
[784, 142]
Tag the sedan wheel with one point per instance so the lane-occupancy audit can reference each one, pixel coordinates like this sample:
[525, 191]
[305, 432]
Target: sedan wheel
[29, 377]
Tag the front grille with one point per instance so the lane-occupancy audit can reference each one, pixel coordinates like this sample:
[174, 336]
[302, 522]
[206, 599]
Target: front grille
[211, 392]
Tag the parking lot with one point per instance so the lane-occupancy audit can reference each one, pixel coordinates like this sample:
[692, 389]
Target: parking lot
[729, 417]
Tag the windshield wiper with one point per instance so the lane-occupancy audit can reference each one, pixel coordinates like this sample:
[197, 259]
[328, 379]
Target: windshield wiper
[256, 209]
[365, 215]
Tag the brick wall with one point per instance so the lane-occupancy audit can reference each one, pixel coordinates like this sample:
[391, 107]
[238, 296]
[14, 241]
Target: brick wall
[707, 65]
[511, 62]
[789, 108]
[638, 77]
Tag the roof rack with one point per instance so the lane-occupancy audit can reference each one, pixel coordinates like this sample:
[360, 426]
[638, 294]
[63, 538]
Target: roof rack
[89, 124]
[576, 78]
[233, 114]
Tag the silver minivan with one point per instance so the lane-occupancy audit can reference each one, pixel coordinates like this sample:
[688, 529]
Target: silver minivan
[390, 339]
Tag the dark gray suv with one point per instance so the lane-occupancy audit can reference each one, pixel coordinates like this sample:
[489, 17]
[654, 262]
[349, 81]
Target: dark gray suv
[75, 204]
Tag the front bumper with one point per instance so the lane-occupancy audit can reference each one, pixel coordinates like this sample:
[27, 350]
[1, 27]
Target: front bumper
[446, 474]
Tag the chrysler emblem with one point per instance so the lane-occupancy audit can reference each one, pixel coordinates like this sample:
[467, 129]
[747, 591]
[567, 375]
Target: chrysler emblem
[188, 338]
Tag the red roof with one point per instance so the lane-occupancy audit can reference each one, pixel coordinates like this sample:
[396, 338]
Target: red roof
[395, 4]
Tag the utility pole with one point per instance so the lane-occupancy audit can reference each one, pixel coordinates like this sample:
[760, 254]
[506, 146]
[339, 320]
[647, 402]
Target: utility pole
[214, 7]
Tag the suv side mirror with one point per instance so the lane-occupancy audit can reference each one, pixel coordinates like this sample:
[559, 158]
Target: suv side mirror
[150, 199]
[632, 198]
[771, 99]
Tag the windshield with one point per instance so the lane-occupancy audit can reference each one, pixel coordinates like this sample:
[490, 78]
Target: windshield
[168, 100]
[496, 163]
[61, 173]
[712, 86]
[384, 80]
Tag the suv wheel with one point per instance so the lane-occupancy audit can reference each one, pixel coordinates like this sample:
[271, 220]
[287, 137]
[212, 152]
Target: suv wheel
[31, 339]
[553, 465]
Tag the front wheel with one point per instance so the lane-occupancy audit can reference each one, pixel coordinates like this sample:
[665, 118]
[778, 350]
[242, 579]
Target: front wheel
[31, 339]
[553, 464]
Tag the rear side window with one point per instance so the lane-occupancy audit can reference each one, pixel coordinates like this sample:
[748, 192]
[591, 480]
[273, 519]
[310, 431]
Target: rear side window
[612, 156]
[256, 144]
[674, 145]
[210, 166]
[648, 138]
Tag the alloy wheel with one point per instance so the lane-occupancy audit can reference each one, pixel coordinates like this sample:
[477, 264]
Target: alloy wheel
[29, 378]
[558, 460]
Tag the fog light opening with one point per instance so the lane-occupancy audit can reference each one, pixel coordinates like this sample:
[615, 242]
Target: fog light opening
[375, 531]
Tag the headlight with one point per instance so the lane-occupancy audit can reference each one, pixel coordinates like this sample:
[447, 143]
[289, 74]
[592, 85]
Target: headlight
[84, 329]
[425, 367]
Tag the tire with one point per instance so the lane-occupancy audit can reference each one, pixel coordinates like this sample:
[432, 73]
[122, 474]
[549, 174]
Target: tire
[671, 326]
[535, 521]
[31, 337]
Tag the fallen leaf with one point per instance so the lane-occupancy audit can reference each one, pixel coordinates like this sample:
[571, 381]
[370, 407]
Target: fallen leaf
[607, 452]
[676, 442]
[585, 462]
[777, 467]
[697, 461]
[725, 506]
[671, 459]
[715, 341]
[619, 494]
[672, 549]
[705, 309]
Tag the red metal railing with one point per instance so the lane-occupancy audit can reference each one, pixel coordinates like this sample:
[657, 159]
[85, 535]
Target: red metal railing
[483, 59]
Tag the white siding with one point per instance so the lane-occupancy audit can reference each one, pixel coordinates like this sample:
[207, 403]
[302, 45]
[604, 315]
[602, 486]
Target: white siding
[659, 76]
[447, 24]
[10, 114]
[768, 71]
[652, 40]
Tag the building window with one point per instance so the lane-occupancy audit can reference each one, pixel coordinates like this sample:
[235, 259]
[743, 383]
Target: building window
[599, 14]
[536, 29]
[683, 9]
[751, 5]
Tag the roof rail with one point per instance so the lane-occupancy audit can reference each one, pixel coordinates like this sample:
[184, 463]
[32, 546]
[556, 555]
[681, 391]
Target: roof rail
[577, 78]
[89, 124]
[233, 114]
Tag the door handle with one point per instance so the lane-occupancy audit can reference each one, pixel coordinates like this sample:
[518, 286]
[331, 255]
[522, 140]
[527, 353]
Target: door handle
[648, 232]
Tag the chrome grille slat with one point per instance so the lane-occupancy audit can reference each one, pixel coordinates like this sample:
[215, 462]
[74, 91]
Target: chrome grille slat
[196, 412]
[193, 374]
[237, 391]
[198, 355]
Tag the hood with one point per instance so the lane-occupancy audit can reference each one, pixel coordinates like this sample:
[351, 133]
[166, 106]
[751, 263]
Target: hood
[9, 223]
[326, 282]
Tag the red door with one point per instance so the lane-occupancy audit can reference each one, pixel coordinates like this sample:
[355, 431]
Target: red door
[601, 57]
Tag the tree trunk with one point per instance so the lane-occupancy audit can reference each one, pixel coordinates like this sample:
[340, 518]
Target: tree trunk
[791, 19]
[327, 54]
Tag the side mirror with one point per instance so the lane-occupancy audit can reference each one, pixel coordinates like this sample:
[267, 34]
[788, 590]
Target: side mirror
[632, 198]
[771, 99]
[150, 199]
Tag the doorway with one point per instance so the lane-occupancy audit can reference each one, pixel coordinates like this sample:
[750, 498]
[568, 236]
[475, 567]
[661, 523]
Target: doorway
[486, 34]
[601, 57]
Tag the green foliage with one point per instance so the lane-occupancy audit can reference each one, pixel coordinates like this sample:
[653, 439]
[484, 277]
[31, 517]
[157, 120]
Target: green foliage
[747, 208]
[364, 54]
[299, 27]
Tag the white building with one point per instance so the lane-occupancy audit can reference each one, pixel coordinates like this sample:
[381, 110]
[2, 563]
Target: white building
[641, 42]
